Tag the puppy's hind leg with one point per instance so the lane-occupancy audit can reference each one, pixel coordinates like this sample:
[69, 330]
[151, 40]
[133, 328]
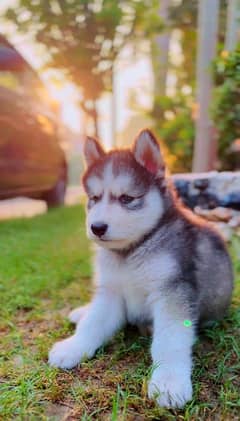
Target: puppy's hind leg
[77, 314]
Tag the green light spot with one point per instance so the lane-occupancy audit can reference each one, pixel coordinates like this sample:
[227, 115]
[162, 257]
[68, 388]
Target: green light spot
[187, 323]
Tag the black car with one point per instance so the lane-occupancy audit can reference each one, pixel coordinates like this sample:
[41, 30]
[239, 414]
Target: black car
[32, 162]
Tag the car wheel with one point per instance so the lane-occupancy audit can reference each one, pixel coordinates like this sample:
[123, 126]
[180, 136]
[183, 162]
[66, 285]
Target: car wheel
[55, 197]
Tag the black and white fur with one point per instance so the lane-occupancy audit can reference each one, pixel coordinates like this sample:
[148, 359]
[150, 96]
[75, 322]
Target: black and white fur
[156, 264]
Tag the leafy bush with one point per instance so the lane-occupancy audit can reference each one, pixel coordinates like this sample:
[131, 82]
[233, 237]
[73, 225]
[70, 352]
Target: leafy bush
[177, 133]
[226, 103]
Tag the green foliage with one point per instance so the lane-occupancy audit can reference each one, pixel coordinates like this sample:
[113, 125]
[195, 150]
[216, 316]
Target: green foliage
[148, 22]
[184, 14]
[177, 132]
[172, 115]
[226, 103]
[183, 17]
[78, 36]
[82, 37]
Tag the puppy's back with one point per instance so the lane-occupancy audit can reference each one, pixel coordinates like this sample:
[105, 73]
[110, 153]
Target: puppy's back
[215, 275]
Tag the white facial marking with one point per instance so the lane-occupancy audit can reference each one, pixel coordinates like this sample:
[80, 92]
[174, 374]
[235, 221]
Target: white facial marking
[95, 186]
[108, 176]
[121, 185]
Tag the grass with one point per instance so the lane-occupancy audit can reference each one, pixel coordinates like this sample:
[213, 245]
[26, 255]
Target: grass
[45, 271]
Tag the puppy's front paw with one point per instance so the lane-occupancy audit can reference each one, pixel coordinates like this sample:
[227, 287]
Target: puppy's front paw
[77, 314]
[67, 353]
[170, 390]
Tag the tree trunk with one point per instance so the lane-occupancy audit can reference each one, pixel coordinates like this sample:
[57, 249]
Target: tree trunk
[114, 104]
[233, 25]
[205, 146]
[160, 49]
[95, 119]
[93, 114]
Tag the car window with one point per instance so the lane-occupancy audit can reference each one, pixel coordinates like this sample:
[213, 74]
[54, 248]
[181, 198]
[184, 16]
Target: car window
[11, 65]
[17, 75]
[9, 80]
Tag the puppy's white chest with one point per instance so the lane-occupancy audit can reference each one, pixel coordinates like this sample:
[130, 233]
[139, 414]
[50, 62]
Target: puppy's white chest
[135, 301]
[135, 282]
[134, 293]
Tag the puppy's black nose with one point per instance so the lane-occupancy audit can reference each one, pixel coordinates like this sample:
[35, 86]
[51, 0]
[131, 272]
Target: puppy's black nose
[99, 229]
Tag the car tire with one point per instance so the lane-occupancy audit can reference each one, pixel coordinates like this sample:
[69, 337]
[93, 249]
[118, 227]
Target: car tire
[56, 196]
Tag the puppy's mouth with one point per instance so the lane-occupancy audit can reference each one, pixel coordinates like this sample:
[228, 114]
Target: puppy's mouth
[110, 243]
[107, 240]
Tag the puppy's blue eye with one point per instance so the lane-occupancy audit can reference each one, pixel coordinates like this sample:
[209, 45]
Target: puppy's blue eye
[125, 199]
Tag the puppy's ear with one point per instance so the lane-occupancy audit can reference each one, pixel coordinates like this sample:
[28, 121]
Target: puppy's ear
[92, 151]
[147, 153]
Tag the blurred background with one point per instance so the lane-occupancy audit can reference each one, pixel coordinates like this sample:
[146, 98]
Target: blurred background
[109, 68]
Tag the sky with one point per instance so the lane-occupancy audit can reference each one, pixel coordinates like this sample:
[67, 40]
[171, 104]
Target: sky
[129, 76]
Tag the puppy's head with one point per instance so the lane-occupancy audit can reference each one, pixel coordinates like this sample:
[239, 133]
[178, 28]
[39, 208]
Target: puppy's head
[124, 191]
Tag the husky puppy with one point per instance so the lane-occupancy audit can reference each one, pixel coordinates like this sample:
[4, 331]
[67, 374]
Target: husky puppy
[156, 263]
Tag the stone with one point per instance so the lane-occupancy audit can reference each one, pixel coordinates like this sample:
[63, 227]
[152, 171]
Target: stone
[209, 190]
[235, 221]
[231, 200]
[201, 184]
[224, 229]
[216, 214]
[56, 411]
[18, 361]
